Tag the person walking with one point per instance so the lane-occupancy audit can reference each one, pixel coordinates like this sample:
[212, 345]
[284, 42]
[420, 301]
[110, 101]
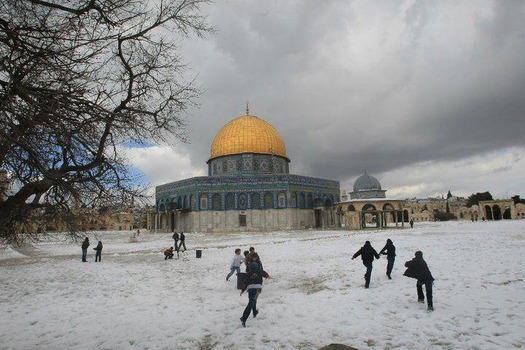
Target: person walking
[367, 253]
[182, 241]
[417, 268]
[98, 250]
[236, 263]
[390, 251]
[85, 246]
[254, 280]
[176, 239]
[411, 222]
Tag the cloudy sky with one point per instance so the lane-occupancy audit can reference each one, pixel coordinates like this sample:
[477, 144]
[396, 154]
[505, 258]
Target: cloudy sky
[427, 96]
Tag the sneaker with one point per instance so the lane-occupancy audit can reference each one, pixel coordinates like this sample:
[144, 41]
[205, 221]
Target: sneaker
[389, 277]
[367, 285]
[421, 300]
[430, 308]
[255, 313]
[243, 322]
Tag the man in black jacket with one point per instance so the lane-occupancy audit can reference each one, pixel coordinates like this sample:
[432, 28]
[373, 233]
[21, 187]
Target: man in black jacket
[417, 268]
[390, 251]
[367, 253]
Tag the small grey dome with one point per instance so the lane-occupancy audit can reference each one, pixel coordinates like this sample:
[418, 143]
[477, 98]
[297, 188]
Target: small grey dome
[366, 183]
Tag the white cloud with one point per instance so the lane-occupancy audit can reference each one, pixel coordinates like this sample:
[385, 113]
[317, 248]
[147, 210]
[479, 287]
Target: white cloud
[162, 164]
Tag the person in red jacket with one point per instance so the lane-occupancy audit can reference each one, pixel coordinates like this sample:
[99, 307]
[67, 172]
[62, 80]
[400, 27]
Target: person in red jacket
[168, 253]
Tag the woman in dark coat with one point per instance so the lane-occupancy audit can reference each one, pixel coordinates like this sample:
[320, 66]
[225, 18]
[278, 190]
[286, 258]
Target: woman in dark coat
[367, 253]
[417, 268]
[390, 251]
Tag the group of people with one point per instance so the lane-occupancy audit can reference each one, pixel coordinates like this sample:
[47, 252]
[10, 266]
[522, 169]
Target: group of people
[169, 253]
[416, 268]
[98, 250]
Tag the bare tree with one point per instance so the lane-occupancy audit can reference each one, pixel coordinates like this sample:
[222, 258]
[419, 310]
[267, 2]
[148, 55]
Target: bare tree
[77, 80]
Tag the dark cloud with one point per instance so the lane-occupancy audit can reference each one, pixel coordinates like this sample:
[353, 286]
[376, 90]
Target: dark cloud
[365, 85]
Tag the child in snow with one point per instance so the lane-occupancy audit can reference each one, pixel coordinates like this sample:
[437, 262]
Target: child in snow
[390, 251]
[417, 268]
[367, 253]
[236, 263]
[254, 279]
[168, 253]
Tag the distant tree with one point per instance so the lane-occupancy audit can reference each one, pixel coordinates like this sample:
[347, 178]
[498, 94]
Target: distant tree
[474, 199]
[443, 216]
[78, 79]
[449, 194]
[516, 199]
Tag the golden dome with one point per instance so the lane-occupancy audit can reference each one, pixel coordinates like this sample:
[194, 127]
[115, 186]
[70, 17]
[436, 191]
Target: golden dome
[247, 134]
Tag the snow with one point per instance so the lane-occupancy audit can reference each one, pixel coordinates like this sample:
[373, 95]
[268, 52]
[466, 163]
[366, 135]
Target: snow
[134, 299]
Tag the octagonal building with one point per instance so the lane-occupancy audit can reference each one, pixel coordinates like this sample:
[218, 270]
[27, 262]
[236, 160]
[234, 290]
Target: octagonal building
[248, 188]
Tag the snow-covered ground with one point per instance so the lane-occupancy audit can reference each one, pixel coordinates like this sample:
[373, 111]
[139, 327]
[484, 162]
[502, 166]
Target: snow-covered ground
[134, 299]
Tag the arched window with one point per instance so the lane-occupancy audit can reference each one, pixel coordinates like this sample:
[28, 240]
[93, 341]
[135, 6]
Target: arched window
[310, 201]
[293, 200]
[255, 201]
[216, 202]
[204, 202]
[229, 201]
[281, 200]
[302, 202]
[268, 200]
[242, 201]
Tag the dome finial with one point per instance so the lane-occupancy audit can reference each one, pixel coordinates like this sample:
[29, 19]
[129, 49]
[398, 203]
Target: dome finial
[247, 108]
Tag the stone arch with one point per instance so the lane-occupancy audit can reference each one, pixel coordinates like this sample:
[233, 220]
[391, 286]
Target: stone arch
[496, 212]
[350, 208]
[488, 212]
[507, 213]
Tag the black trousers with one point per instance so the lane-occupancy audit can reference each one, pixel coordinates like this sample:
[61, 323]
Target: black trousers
[428, 289]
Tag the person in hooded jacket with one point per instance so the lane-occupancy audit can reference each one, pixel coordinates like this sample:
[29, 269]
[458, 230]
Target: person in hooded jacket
[367, 253]
[390, 251]
[98, 251]
[254, 280]
[417, 268]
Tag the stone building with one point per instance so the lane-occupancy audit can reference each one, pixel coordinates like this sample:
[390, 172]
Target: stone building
[369, 207]
[248, 187]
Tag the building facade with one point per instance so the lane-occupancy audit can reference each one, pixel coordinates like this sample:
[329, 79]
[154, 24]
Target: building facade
[368, 207]
[248, 188]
